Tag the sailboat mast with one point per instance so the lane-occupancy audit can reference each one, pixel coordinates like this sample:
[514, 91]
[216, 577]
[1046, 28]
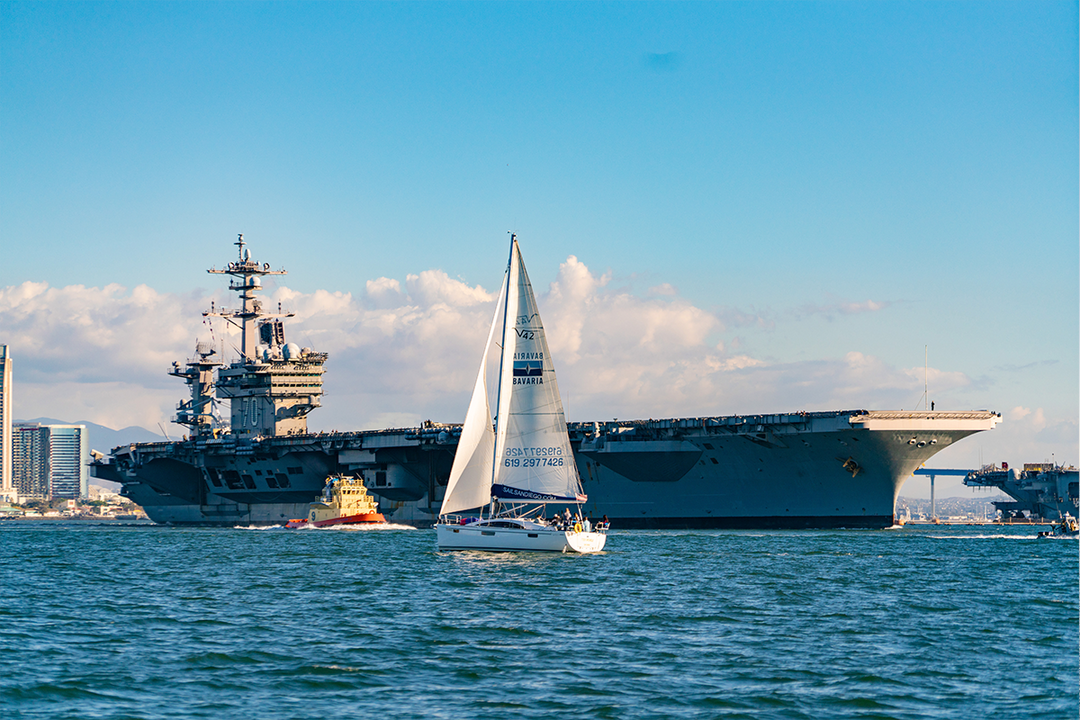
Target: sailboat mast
[502, 359]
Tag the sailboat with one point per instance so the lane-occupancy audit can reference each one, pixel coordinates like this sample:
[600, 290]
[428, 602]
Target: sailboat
[516, 463]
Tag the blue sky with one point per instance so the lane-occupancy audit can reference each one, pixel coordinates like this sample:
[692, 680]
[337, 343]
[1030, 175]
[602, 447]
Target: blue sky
[803, 189]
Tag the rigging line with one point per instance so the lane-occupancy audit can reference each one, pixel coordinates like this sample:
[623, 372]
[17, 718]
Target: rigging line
[210, 326]
[502, 358]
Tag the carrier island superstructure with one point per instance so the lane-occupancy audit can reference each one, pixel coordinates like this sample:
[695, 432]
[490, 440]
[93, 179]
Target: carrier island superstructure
[805, 469]
[1041, 490]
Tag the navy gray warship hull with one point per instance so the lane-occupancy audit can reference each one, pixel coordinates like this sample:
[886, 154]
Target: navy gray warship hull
[801, 470]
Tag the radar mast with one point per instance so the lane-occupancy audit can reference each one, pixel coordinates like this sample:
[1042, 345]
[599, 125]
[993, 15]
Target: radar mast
[273, 385]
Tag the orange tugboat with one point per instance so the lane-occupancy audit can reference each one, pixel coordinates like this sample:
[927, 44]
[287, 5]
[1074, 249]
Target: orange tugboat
[345, 501]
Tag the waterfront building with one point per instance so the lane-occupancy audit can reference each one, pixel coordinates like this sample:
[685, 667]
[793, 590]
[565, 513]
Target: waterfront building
[68, 450]
[7, 484]
[30, 461]
[49, 461]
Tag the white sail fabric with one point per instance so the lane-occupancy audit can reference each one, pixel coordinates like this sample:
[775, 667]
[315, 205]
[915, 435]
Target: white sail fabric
[533, 461]
[470, 477]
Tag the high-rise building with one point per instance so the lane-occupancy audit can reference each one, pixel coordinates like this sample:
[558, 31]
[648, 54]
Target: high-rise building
[49, 461]
[68, 448]
[7, 487]
[30, 456]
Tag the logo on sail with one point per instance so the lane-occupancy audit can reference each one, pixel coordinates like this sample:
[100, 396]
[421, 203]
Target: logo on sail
[526, 319]
[528, 372]
[528, 368]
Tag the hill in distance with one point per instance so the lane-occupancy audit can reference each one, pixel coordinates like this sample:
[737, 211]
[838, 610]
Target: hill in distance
[103, 439]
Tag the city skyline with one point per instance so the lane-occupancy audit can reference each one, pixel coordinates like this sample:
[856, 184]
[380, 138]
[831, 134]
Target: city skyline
[727, 209]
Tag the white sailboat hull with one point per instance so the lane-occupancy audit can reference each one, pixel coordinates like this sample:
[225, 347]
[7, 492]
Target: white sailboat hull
[515, 539]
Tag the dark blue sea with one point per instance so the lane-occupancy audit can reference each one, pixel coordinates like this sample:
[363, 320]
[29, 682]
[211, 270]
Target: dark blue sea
[128, 621]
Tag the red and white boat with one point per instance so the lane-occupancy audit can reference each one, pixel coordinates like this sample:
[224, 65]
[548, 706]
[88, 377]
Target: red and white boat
[345, 501]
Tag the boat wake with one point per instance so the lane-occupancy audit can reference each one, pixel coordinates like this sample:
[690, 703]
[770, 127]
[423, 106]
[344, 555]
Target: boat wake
[984, 537]
[363, 527]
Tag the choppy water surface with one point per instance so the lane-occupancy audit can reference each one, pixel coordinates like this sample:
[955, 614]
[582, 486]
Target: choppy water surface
[100, 621]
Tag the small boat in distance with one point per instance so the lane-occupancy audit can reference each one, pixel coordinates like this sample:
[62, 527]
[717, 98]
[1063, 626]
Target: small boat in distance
[521, 461]
[345, 501]
[1068, 527]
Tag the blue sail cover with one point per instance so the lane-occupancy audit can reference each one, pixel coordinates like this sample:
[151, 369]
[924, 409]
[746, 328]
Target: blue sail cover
[505, 492]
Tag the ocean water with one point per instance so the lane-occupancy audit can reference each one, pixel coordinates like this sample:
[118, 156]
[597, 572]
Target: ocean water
[123, 621]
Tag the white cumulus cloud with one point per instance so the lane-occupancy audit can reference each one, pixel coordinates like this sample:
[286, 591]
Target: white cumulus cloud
[401, 352]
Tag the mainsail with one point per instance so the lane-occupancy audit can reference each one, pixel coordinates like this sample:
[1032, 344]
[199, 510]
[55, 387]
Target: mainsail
[527, 457]
[533, 458]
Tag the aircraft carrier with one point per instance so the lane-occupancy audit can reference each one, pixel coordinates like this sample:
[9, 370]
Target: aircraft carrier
[262, 466]
[1041, 490]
